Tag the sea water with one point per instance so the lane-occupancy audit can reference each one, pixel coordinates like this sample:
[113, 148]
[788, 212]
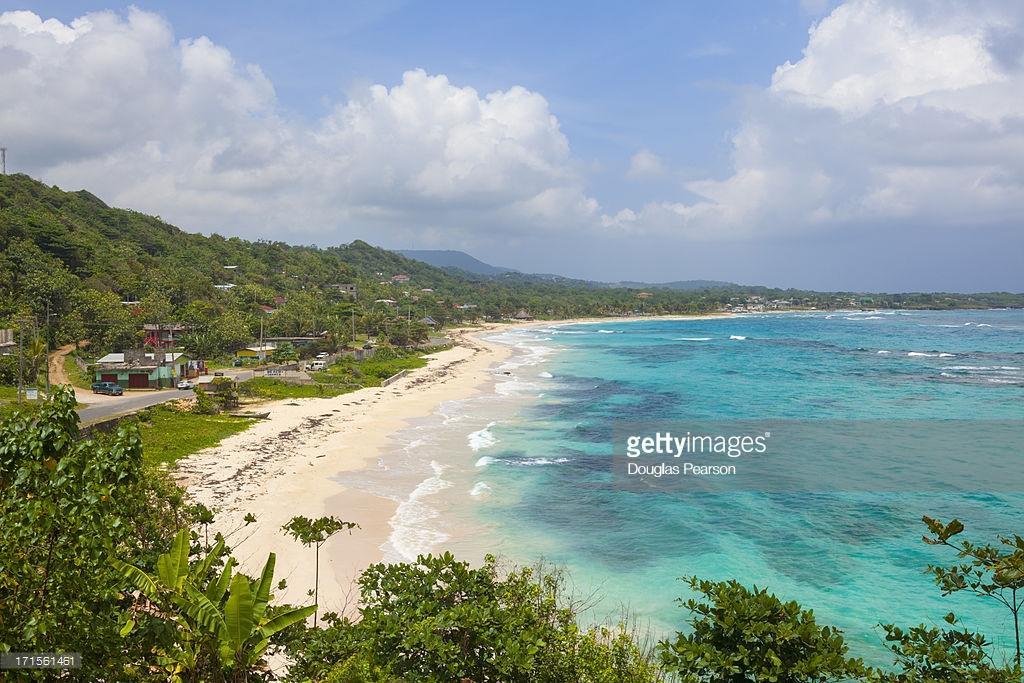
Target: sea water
[522, 471]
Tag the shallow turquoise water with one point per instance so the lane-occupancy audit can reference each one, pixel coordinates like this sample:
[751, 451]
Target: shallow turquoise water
[855, 558]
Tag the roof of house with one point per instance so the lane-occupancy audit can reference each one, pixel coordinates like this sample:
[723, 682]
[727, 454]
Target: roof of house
[265, 347]
[112, 358]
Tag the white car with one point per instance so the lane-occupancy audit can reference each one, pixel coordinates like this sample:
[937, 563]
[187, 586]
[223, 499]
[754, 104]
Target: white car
[322, 355]
[185, 384]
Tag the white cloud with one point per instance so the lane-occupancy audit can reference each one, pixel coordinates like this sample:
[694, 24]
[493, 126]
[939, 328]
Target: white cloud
[117, 104]
[898, 113]
[645, 164]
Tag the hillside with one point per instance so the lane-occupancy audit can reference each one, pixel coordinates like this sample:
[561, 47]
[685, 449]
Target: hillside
[449, 258]
[102, 272]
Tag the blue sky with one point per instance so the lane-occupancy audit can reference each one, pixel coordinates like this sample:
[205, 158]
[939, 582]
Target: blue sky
[680, 149]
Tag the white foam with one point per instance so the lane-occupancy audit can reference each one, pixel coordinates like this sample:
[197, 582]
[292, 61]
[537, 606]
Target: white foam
[411, 535]
[884, 351]
[609, 331]
[919, 354]
[480, 489]
[532, 462]
[947, 355]
[482, 438]
[485, 461]
[736, 336]
[545, 375]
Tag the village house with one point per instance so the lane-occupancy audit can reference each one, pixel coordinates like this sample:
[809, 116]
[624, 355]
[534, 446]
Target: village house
[162, 336]
[344, 288]
[136, 369]
[401, 277]
[296, 341]
[7, 342]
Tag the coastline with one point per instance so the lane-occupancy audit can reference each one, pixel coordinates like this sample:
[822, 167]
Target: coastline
[288, 464]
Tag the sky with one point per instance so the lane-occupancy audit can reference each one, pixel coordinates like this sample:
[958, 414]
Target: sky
[860, 145]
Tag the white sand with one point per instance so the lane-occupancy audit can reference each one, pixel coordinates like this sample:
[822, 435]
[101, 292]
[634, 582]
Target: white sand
[283, 466]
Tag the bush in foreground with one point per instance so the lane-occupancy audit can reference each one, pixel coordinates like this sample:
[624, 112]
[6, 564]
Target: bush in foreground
[439, 619]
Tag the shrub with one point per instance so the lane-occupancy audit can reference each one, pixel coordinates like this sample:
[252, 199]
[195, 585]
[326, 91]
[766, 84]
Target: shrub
[438, 619]
[750, 635]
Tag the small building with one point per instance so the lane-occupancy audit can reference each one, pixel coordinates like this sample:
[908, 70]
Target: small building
[161, 336]
[428, 321]
[522, 315]
[343, 288]
[256, 352]
[297, 342]
[225, 287]
[7, 342]
[139, 370]
[269, 310]
[401, 277]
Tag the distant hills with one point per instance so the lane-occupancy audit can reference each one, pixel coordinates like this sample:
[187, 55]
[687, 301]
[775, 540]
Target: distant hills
[449, 258]
[460, 260]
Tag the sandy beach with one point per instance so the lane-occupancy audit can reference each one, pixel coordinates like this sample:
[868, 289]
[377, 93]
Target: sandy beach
[283, 466]
[286, 465]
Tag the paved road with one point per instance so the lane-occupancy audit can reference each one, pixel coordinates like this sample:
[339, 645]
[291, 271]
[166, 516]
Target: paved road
[130, 402]
[101, 406]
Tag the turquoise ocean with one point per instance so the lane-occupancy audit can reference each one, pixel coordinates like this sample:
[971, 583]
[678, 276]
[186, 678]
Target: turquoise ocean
[522, 471]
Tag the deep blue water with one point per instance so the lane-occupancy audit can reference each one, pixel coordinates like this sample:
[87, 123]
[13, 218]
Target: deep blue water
[856, 558]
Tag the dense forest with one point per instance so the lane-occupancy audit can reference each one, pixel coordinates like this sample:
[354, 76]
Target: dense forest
[99, 273]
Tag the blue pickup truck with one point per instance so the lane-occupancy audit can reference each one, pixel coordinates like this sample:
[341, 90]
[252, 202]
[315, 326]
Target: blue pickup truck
[112, 388]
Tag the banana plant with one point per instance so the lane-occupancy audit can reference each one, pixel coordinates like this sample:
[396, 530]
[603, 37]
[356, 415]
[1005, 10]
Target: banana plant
[228, 618]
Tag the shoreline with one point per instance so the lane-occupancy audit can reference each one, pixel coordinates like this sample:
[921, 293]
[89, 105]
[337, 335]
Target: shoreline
[288, 464]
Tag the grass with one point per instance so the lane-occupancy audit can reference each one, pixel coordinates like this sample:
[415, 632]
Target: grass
[79, 377]
[266, 388]
[370, 372]
[169, 435]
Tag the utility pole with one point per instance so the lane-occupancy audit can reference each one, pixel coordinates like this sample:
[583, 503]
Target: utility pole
[21, 359]
[47, 348]
[3, 159]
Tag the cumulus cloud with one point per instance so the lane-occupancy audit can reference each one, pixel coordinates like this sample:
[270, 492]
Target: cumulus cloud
[118, 104]
[645, 164]
[898, 113]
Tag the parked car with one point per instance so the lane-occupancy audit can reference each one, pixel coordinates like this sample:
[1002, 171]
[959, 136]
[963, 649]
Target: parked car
[185, 384]
[218, 374]
[322, 355]
[111, 388]
[318, 366]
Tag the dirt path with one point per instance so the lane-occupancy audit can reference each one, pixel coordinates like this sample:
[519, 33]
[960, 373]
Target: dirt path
[58, 374]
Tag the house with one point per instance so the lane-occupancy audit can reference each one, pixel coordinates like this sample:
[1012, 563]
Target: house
[401, 277]
[267, 309]
[225, 287]
[139, 370]
[256, 352]
[344, 288]
[7, 342]
[297, 342]
[428, 321]
[522, 315]
[163, 336]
